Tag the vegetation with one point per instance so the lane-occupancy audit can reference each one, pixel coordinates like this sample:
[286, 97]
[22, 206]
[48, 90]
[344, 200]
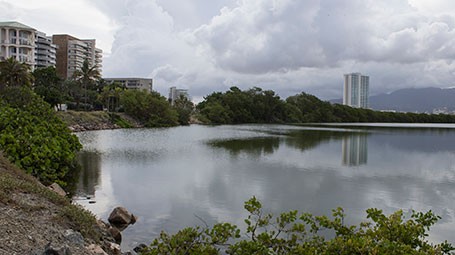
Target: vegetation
[152, 109]
[184, 108]
[294, 233]
[258, 106]
[49, 86]
[14, 73]
[13, 180]
[34, 138]
[236, 106]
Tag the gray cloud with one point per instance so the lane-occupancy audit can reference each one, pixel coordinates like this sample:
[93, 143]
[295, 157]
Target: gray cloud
[288, 46]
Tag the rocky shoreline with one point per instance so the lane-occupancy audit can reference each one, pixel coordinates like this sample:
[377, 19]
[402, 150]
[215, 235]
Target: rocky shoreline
[97, 120]
[39, 220]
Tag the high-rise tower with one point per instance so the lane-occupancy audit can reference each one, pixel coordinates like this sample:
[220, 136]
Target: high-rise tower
[356, 90]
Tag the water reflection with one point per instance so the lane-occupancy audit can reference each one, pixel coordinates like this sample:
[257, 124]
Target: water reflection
[89, 177]
[168, 176]
[256, 147]
[355, 150]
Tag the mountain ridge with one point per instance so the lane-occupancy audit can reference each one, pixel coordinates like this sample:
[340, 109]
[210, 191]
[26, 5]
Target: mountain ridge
[429, 100]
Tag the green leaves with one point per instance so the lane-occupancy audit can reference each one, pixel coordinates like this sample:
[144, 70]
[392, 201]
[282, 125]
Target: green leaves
[150, 108]
[34, 138]
[291, 233]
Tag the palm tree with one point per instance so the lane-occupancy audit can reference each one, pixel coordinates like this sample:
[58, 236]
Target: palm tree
[14, 73]
[87, 76]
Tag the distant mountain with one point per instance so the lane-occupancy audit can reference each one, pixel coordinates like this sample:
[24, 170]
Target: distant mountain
[414, 100]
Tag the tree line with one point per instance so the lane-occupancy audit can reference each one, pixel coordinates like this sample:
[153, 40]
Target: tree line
[87, 91]
[264, 106]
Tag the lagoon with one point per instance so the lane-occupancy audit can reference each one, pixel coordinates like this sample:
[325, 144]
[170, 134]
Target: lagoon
[174, 177]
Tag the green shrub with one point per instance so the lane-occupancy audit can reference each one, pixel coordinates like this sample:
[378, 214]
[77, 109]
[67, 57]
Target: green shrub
[151, 109]
[294, 233]
[34, 138]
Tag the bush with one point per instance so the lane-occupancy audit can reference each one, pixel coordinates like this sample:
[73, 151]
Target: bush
[294, 233]
[34, 138]
[151, 109]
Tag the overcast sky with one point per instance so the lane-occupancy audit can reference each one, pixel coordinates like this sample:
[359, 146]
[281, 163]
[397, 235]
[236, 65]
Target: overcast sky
[288, 46]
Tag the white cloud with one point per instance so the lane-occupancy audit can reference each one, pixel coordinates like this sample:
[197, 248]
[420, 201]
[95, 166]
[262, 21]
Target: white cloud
[288, 45]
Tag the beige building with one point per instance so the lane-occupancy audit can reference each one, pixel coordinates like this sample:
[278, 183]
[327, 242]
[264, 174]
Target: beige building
[17, 41]
[133, 83]
[72, 52]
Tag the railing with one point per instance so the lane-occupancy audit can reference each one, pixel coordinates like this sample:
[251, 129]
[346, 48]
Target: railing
[25, 42]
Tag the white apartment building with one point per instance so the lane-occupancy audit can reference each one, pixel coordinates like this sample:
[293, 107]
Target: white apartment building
[133, 83]
[17, 41]
[356, 90]
[175, 93]
[45, 50]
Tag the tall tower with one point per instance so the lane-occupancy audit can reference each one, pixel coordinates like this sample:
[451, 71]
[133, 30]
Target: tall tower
[356, 90]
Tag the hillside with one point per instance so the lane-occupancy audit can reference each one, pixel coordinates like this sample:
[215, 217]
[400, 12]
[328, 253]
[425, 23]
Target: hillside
[414, 100]
[36, 220]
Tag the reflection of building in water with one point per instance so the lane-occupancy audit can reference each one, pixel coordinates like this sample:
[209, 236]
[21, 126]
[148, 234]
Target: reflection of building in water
[90, 173]
[355, 150]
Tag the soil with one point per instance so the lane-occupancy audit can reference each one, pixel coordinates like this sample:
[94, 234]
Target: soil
[30, 219]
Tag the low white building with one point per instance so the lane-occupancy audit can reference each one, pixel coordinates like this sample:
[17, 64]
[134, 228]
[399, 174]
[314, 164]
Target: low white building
[133, 83]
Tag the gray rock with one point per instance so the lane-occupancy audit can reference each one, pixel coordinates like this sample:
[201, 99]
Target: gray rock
[140, 247]
[74, 237]
[50, 250]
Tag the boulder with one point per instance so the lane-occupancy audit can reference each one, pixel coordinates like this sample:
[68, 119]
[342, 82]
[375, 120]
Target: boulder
[74, 237]
[57, 189]
[121, 218]
[51, 250]
[140, 247]
[115, 232]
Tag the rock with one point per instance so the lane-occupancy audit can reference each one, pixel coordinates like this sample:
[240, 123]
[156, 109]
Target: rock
[50, 250]
[74, 237]
[140, 247]
[57, 189]
[121, 218]
[96, 249]
[114, 248]
[115, 232]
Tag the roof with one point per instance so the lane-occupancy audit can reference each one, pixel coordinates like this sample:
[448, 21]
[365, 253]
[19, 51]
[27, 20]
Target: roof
[15, 24]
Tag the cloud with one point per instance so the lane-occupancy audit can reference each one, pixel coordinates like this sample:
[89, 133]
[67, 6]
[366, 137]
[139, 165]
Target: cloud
[285, 45]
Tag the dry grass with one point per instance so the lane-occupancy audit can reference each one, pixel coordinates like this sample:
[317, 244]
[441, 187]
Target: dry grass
[25, 193]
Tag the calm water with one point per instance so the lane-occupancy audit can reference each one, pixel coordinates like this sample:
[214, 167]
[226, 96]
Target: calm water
[172, 177]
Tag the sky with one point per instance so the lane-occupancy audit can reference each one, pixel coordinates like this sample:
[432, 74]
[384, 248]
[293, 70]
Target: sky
[289, 46]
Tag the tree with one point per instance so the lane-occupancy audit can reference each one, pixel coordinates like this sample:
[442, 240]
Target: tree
[87, 77]
[14, 73]
[49, 85]
[184, 108]
[294, 233]
[152, 109]
[110, 96]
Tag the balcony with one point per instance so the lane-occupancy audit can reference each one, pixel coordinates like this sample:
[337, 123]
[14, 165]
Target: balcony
[25, 42]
